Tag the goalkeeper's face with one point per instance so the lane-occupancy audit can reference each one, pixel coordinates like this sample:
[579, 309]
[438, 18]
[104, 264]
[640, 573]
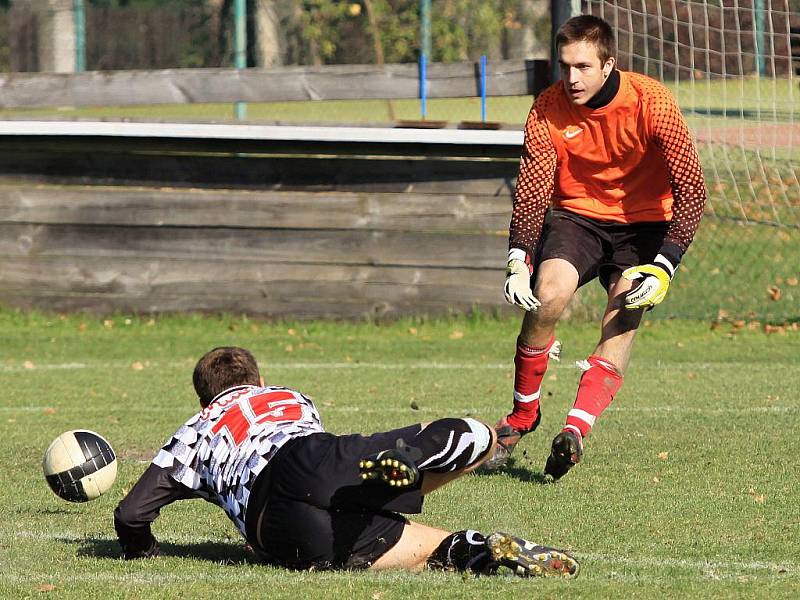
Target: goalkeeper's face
[582, 71]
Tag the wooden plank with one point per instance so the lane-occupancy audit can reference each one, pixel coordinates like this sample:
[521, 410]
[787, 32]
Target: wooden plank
[295, 173]
[323, 308]
[91, 205]
[142, 285]
[332, 82]
[330, 247]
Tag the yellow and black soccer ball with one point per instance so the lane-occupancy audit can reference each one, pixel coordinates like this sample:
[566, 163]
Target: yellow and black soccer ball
[80, 465]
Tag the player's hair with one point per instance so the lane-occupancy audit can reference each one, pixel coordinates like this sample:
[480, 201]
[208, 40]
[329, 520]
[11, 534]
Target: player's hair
[221, 369]
[588, 28]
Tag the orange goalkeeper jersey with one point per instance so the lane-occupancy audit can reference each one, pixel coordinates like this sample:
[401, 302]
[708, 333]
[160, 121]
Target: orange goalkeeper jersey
[629, 161]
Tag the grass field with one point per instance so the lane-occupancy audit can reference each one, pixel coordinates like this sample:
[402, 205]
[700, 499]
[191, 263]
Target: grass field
[689, 486]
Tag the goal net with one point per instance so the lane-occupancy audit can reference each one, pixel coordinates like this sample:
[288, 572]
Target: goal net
[734, 67]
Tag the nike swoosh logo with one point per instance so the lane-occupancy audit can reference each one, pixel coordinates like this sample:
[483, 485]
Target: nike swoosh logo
[571, 134]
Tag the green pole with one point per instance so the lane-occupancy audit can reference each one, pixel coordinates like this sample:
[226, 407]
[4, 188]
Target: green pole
[425, 28]
[240, 46]
[761, 62]
[80, 36]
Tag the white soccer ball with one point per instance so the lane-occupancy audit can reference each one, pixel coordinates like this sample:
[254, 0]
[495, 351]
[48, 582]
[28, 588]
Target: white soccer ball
[80, 465]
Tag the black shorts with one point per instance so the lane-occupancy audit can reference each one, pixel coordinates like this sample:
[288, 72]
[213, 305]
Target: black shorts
[597, 248]
[318, 512]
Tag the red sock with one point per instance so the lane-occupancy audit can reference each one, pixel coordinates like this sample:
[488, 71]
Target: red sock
[531, 365]
[596, 390]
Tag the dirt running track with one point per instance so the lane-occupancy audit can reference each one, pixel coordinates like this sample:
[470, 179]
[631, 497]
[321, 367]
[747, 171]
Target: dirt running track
[754, 137]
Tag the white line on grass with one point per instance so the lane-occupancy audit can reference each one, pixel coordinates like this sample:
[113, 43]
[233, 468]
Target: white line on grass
[377, 366]
[788, 568]
[642, 561]
[45, 367]
[324, 408]
[288, 366]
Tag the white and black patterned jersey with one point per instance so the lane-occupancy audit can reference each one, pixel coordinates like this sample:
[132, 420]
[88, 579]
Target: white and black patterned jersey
[216, 455]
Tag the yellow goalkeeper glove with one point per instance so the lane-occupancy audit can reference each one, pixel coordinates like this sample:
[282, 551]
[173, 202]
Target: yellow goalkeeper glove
[517, 288]
[655, 280]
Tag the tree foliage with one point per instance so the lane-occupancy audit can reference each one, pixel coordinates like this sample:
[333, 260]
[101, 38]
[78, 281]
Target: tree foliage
[332, 31]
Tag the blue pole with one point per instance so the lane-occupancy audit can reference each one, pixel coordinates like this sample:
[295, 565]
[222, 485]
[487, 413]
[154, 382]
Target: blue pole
[423, 92]
[80, 36]
[483, 88]
[240, 46]
[425, 52]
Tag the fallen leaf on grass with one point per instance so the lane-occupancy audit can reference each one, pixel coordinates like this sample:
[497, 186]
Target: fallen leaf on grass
[456, 335]
[137, 366]
[774, 292]
[46, 587]
[760, 498]
[28, 365]
[663, 455]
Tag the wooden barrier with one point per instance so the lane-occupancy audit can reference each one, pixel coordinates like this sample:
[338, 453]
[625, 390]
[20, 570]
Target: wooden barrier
[282, 236]
[330, 82]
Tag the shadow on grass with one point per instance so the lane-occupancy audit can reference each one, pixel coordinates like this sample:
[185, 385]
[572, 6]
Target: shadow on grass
[232, 554]
[53, 511]
[518, 472]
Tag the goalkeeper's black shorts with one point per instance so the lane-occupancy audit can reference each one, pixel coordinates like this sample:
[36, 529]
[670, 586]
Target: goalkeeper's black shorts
[597, 248]
[310, 507]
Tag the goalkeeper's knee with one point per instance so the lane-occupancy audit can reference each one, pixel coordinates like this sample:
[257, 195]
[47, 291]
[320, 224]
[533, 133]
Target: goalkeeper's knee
[452, 444]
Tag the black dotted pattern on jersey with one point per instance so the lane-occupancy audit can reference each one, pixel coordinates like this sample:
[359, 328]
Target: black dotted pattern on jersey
[671, 136]
[536, 179]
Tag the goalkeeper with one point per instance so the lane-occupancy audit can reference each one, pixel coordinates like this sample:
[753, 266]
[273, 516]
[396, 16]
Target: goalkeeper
[304, 498]
[610, 187]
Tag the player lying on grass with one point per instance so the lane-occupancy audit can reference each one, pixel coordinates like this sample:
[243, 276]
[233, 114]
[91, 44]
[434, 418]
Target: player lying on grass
[610, 152]
[304, 498]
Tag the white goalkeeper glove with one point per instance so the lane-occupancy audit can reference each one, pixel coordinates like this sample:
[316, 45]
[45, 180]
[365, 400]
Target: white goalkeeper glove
[517, 288]
[655, 280]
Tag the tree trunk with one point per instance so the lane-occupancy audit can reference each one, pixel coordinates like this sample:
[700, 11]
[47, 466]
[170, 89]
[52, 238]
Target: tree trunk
[267, 30]
[56, 35]
[375, 32]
